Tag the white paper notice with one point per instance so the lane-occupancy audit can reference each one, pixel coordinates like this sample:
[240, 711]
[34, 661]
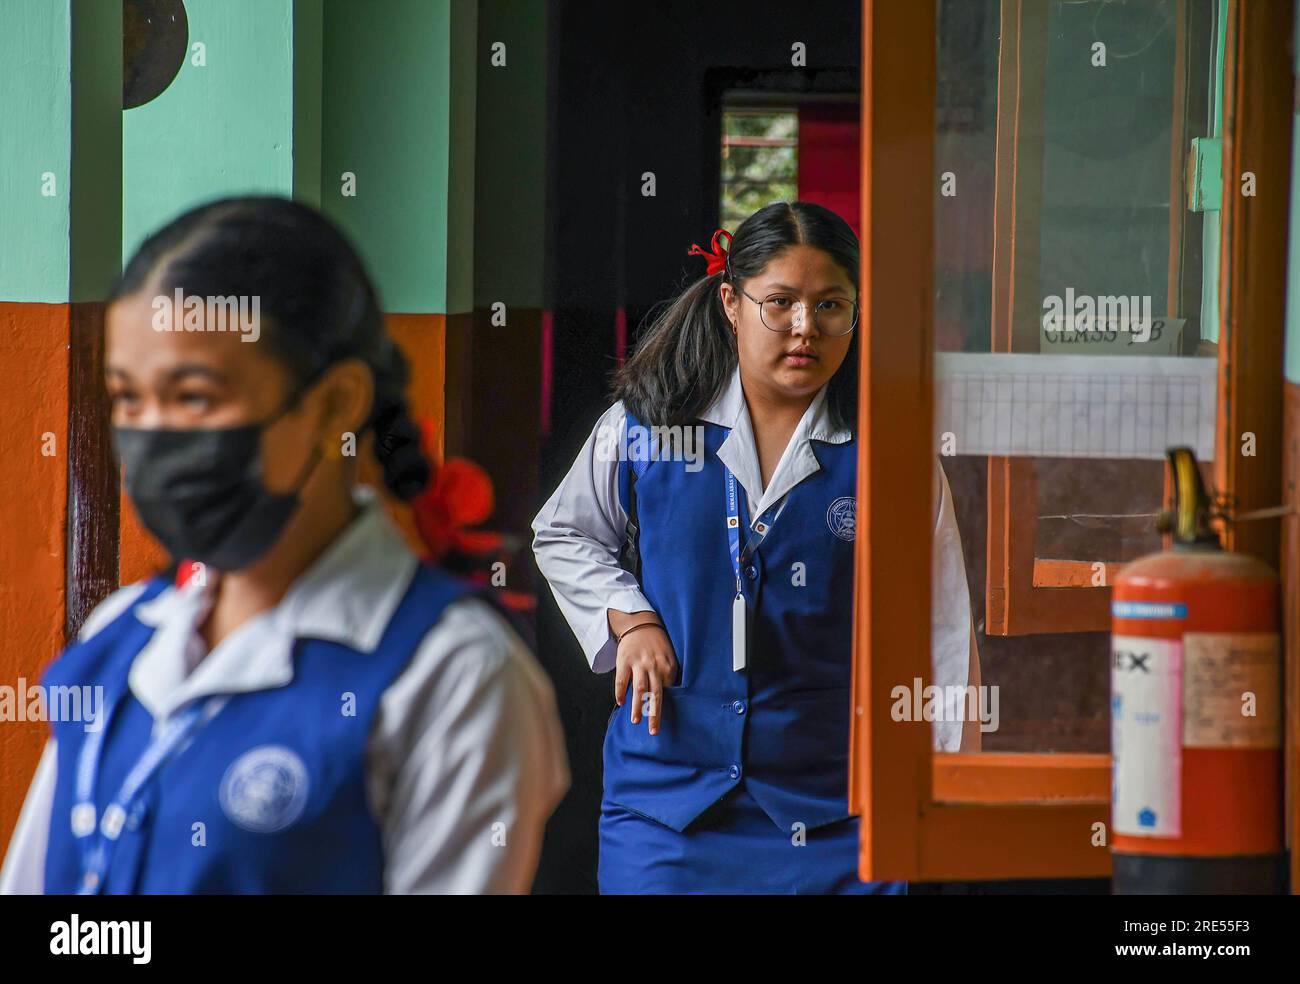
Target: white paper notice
[1146, 736]
[1074, 406]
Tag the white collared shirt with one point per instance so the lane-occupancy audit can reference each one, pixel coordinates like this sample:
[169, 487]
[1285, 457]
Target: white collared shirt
[579, 532]
[466, 737]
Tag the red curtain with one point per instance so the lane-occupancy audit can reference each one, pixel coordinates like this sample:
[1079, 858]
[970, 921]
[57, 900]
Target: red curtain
[830, 159]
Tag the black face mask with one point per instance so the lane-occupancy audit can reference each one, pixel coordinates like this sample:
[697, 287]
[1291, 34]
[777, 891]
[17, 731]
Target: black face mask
[200, 491]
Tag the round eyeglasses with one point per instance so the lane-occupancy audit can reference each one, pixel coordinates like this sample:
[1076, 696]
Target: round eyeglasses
[781, 312]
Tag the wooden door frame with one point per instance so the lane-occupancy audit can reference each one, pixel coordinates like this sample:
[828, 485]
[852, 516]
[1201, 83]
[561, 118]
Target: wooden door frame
[955, 816]
[1257, 137]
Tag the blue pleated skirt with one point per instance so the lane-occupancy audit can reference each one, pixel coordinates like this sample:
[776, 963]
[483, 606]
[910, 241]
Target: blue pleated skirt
[733, 848]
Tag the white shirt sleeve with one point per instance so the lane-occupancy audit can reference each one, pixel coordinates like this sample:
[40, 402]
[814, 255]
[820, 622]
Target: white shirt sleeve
[577, 537]
[950, 615]
[466, 760]
[24, 868]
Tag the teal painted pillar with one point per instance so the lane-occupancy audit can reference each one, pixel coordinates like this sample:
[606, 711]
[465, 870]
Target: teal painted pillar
[397, 160]
[35, 152]
[365, 109]
[59, 78]
[240, 117]
[397, 170]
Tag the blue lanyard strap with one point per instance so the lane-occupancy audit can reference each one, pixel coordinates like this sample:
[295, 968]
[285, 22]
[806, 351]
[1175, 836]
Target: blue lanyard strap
[757, 533]
[97, 840]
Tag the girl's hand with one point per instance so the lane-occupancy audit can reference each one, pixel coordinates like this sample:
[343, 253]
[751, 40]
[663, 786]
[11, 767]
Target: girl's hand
[645, 659]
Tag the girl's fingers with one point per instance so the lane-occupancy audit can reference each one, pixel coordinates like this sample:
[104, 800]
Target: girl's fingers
[622, 674]
[656, 701]
[638, 692]
[642, 674]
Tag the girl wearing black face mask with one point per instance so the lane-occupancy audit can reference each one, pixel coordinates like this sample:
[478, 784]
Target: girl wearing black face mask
[319, 712]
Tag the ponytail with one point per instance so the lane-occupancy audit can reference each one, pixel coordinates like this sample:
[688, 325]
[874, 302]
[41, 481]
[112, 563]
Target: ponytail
[684, 360]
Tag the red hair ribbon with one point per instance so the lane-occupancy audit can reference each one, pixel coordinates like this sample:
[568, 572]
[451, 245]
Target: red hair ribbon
[718, 256]
[460, 495]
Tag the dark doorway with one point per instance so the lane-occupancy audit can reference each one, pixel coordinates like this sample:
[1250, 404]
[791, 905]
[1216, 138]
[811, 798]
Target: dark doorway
[637, 91]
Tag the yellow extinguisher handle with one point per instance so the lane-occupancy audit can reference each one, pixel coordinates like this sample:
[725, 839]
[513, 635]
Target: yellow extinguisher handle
[1191, 503]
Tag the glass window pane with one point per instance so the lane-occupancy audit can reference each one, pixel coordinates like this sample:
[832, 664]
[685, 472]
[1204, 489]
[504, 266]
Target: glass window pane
[1074, 325]
[760, 160]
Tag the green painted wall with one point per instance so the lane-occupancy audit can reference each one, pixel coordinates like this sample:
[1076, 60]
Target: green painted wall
[35, 137]
[293, 93]
[389, 119]
[60, 86]
[222, 129]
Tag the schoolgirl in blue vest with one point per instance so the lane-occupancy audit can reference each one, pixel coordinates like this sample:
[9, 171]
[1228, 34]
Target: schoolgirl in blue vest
[315, 710]
[701, 547]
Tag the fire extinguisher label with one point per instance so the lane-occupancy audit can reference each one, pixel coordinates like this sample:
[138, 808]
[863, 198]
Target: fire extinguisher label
[1148, 609]
[1146, 745]
[1232, 690]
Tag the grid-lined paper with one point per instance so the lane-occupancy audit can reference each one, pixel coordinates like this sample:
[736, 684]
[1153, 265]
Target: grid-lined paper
[1075, 406]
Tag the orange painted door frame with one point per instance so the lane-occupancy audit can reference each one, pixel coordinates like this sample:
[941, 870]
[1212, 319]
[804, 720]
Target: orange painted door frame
[967, 816]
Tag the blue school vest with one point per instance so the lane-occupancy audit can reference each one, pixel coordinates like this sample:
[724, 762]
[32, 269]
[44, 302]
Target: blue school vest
[276, 778]
[781, 726]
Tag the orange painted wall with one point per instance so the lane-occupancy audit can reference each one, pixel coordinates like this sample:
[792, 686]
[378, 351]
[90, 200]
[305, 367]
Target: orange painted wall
[423, 339]
[33, 500]
[34, 342]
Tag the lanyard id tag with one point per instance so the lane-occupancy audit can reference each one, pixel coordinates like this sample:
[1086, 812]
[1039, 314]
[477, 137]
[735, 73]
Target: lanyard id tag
[743, 557]
[739, 633]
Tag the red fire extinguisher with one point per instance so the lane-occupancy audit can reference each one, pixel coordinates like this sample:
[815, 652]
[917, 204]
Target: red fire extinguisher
[1196, 713]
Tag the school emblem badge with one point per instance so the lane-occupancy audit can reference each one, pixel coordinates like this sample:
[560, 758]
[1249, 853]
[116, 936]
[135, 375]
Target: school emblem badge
[265, 789]
[842, 517]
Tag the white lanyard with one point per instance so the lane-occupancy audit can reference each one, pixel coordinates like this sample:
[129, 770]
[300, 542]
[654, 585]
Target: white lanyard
[97, 841]
[741, 557]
